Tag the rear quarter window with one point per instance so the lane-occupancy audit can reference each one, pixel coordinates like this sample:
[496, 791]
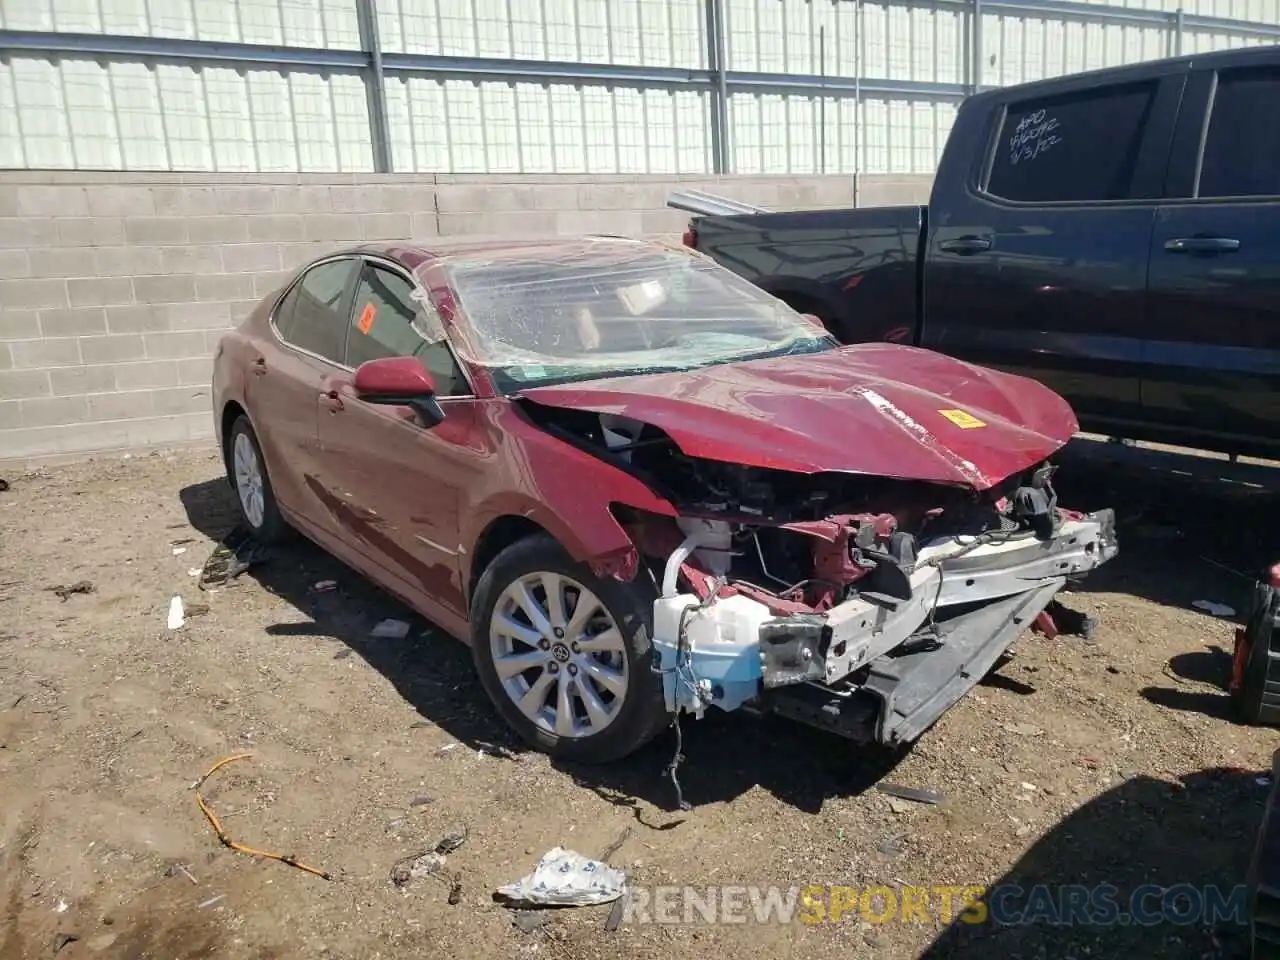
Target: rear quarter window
[1079, 146]
[1242, 144]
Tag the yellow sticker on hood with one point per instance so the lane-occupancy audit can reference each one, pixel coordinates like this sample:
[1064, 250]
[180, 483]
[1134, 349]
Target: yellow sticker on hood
[962, 419]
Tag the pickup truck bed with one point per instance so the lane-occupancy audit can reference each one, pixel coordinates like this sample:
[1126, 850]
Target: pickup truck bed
[1115, 235]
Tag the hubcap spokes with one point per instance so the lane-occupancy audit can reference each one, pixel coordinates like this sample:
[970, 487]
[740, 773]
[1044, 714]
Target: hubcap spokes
[559, 654]
[248, 474]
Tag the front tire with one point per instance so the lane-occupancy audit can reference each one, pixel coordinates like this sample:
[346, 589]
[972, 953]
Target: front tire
[566, 656]
[247, 471]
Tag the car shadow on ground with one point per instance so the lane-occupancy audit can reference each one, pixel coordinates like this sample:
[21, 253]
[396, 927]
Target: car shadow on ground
[1196, 834]
[1190, 527]
[724, 755]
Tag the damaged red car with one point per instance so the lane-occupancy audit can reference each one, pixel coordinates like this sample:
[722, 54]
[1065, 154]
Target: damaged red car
[638, 485]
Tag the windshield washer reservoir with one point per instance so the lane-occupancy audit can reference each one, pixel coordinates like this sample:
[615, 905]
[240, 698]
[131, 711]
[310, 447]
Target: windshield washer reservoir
[723, 643]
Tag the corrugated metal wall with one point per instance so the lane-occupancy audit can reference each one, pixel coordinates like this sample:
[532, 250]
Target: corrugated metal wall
[94, 113]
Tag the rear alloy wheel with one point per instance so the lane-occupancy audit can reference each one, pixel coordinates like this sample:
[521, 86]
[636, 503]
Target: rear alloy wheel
[565, 656]
[248, 475]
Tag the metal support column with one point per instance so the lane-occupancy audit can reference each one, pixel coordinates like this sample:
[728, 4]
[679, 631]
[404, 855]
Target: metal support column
[375, 85]
[975, 48]
[1179, 24]
[718, 62]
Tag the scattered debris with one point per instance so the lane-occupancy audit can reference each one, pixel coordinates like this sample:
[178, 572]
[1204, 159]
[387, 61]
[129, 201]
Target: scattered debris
[892, 846]
[181, 540]
[80, 586]
[455, 891]
[390, 630]
[1023, 729]
[325, 586]
[212, 900]
[14, 705]
[421, 801]
[614, 920]
[60, 940]
[614, 847]
[197, 610]
[237, 552]
[227, 841]
[451, 841]
[177, 617]
[416, 867]
[179, 551]
[1022, 831]
[911, 793]
[447, 747]
[61, 906]
[898, 806]
[181, 868]
[4, 485]
[1028, 786]
[193, 572]
[1215, 609]
[343, 653]
[565, 878]
[527, 921]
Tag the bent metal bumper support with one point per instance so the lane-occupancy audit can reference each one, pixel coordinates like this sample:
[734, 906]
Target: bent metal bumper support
[883, 670]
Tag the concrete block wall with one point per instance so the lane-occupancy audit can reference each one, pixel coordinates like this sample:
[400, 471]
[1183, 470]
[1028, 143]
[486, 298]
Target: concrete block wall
[115, 288]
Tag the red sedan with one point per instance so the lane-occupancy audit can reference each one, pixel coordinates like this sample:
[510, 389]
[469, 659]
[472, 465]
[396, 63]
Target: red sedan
[638, 485]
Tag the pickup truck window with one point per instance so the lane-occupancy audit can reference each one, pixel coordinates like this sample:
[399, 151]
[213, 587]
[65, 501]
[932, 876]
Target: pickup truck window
[1243, 141]
[1080, 146]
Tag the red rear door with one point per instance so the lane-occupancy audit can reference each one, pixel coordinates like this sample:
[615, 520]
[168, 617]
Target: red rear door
[286, 374]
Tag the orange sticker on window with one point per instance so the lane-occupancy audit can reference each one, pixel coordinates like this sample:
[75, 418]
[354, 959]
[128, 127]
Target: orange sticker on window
[365, 323]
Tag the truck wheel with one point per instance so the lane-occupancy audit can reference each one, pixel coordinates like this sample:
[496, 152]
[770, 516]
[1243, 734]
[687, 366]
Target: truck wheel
[1255, 680]
[565, 656]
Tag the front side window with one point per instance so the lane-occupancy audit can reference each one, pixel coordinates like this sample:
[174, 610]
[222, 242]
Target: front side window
[313, 316]
[388, 321]
[599, 308]
[1242, 146]
[1080, 147]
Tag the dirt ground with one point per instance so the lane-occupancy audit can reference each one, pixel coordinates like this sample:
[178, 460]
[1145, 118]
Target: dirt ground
[1111, 760]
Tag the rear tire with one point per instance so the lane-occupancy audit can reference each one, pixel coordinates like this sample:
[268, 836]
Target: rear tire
[247, 472]
[566, 656]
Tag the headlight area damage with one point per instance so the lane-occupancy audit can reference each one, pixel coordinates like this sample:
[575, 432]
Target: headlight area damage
[863, 605]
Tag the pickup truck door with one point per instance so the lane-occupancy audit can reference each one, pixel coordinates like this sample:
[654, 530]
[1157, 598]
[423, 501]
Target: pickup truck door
[1213, 355]
[1040, 226]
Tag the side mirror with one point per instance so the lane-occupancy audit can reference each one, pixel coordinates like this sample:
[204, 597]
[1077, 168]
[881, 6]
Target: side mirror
[399, 382]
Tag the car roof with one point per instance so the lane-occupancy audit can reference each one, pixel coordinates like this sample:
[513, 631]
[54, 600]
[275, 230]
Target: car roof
[482, 249]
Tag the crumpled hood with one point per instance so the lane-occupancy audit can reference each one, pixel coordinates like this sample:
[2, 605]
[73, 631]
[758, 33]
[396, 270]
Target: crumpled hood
[878, 409]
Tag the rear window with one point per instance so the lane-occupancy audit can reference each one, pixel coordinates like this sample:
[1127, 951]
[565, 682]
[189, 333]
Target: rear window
[1079, 147]
[1243, 142]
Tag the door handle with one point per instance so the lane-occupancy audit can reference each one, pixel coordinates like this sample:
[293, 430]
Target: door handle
[965, 245]
[332, 399]
[259, 366]
[1202, 245]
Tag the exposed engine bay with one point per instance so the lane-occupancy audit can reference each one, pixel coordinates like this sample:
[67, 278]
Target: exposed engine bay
[864, 604]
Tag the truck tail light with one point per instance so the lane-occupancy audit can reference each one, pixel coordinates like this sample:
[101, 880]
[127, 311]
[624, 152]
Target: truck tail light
[690, 238]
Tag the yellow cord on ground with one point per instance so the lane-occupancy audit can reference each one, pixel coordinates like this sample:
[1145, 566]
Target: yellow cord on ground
[227, 841]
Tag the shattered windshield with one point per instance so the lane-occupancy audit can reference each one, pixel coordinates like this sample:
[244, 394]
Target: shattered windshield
[610, 307]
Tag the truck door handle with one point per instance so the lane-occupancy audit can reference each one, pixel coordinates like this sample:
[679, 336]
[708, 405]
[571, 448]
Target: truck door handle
[965, 245]
[1202, 245]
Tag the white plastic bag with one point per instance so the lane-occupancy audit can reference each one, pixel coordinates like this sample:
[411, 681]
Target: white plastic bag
[565, 878]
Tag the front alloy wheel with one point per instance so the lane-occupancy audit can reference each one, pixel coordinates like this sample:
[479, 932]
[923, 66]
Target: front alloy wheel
[564, 655]
[559, 654]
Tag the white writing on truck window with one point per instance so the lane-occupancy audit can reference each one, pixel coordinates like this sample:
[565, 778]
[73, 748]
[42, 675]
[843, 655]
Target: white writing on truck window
[1034, 135]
